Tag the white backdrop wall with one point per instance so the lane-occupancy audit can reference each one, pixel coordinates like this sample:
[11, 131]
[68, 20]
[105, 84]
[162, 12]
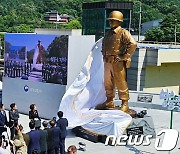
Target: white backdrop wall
[46, 96]
[78, 51]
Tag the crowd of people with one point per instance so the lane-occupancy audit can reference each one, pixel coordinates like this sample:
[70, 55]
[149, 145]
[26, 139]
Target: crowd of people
[53, 71]
[15, 69]
[49, 139]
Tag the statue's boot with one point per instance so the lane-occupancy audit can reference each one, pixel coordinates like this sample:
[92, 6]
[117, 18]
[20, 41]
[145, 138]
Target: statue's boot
[108, 104]
[124, 106]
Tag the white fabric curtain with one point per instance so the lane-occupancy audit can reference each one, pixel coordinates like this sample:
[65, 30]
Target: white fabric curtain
[85, 93]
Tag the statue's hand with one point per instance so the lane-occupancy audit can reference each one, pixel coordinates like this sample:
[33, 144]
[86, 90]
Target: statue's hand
[117, 59]
[126, 56]
[128, 63]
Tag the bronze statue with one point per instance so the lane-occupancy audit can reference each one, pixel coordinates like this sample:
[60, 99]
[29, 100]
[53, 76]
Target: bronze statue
[117, 48]
[40, 53]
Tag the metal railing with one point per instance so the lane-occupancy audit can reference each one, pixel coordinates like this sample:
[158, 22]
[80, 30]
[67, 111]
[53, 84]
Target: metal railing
[163, 43]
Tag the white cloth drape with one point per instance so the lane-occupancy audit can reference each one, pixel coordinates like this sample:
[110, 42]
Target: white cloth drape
[85, 93]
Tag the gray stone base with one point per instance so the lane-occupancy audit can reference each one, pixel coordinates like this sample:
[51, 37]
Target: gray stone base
[143, 126]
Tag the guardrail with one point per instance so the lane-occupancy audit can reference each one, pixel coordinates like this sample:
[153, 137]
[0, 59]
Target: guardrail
[163, 43]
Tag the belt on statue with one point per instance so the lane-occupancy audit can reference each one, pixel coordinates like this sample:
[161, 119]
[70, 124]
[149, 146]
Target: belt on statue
[110, 58]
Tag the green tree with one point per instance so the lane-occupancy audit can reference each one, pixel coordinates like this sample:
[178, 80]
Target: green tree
[166, 31]
[155, 34]
[22, 28]
[59, 47]
[14, 13]
[1, 44]
[74, 24]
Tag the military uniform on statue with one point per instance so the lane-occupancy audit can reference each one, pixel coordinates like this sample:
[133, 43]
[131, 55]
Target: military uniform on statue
[117, 48]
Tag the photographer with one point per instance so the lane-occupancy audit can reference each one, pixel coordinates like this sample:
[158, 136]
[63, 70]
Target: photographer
[13, 119]
[19, 142]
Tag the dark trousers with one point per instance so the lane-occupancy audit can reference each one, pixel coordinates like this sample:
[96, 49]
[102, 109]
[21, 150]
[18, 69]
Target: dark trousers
[62, 146]
[2, 129]
[56, 149]
[12, 130]
[50, 151]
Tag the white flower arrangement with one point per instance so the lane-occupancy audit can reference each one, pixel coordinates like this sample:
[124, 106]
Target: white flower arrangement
[171, 100]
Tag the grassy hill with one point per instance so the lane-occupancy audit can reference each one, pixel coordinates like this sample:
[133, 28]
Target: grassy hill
[25, 15]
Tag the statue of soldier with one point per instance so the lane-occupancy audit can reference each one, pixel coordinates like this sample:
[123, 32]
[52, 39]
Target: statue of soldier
[40, 52]
[117, 48]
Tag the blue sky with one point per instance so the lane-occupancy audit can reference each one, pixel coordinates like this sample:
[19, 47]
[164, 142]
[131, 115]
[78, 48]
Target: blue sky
[29, 40]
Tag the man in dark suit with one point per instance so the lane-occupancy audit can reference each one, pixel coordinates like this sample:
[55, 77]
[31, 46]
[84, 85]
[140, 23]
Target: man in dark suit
[13, 119]
[3, 119]
[56, 138]
[34, 144]
[62, 123]
[50, 134]
[44, 138]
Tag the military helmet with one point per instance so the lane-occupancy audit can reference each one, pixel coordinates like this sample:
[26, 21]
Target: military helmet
[116, 15]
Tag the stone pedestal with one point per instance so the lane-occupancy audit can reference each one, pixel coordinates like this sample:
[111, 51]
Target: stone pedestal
[143, 126]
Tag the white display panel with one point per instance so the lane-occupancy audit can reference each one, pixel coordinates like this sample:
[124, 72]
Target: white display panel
[24, 86]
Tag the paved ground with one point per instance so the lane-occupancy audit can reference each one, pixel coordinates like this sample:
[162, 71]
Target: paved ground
[161, 121]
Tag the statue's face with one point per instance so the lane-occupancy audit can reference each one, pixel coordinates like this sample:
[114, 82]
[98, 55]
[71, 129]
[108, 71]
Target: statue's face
[114, 23]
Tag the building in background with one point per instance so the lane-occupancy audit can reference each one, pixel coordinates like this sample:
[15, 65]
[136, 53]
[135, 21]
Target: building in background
[53, 16]
[94, 16]
[149, 25]
[153, 67]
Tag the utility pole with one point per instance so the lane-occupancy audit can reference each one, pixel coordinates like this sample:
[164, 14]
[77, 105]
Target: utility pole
[130, 18]
[140, 12]
[175, 32]
[0, 47]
